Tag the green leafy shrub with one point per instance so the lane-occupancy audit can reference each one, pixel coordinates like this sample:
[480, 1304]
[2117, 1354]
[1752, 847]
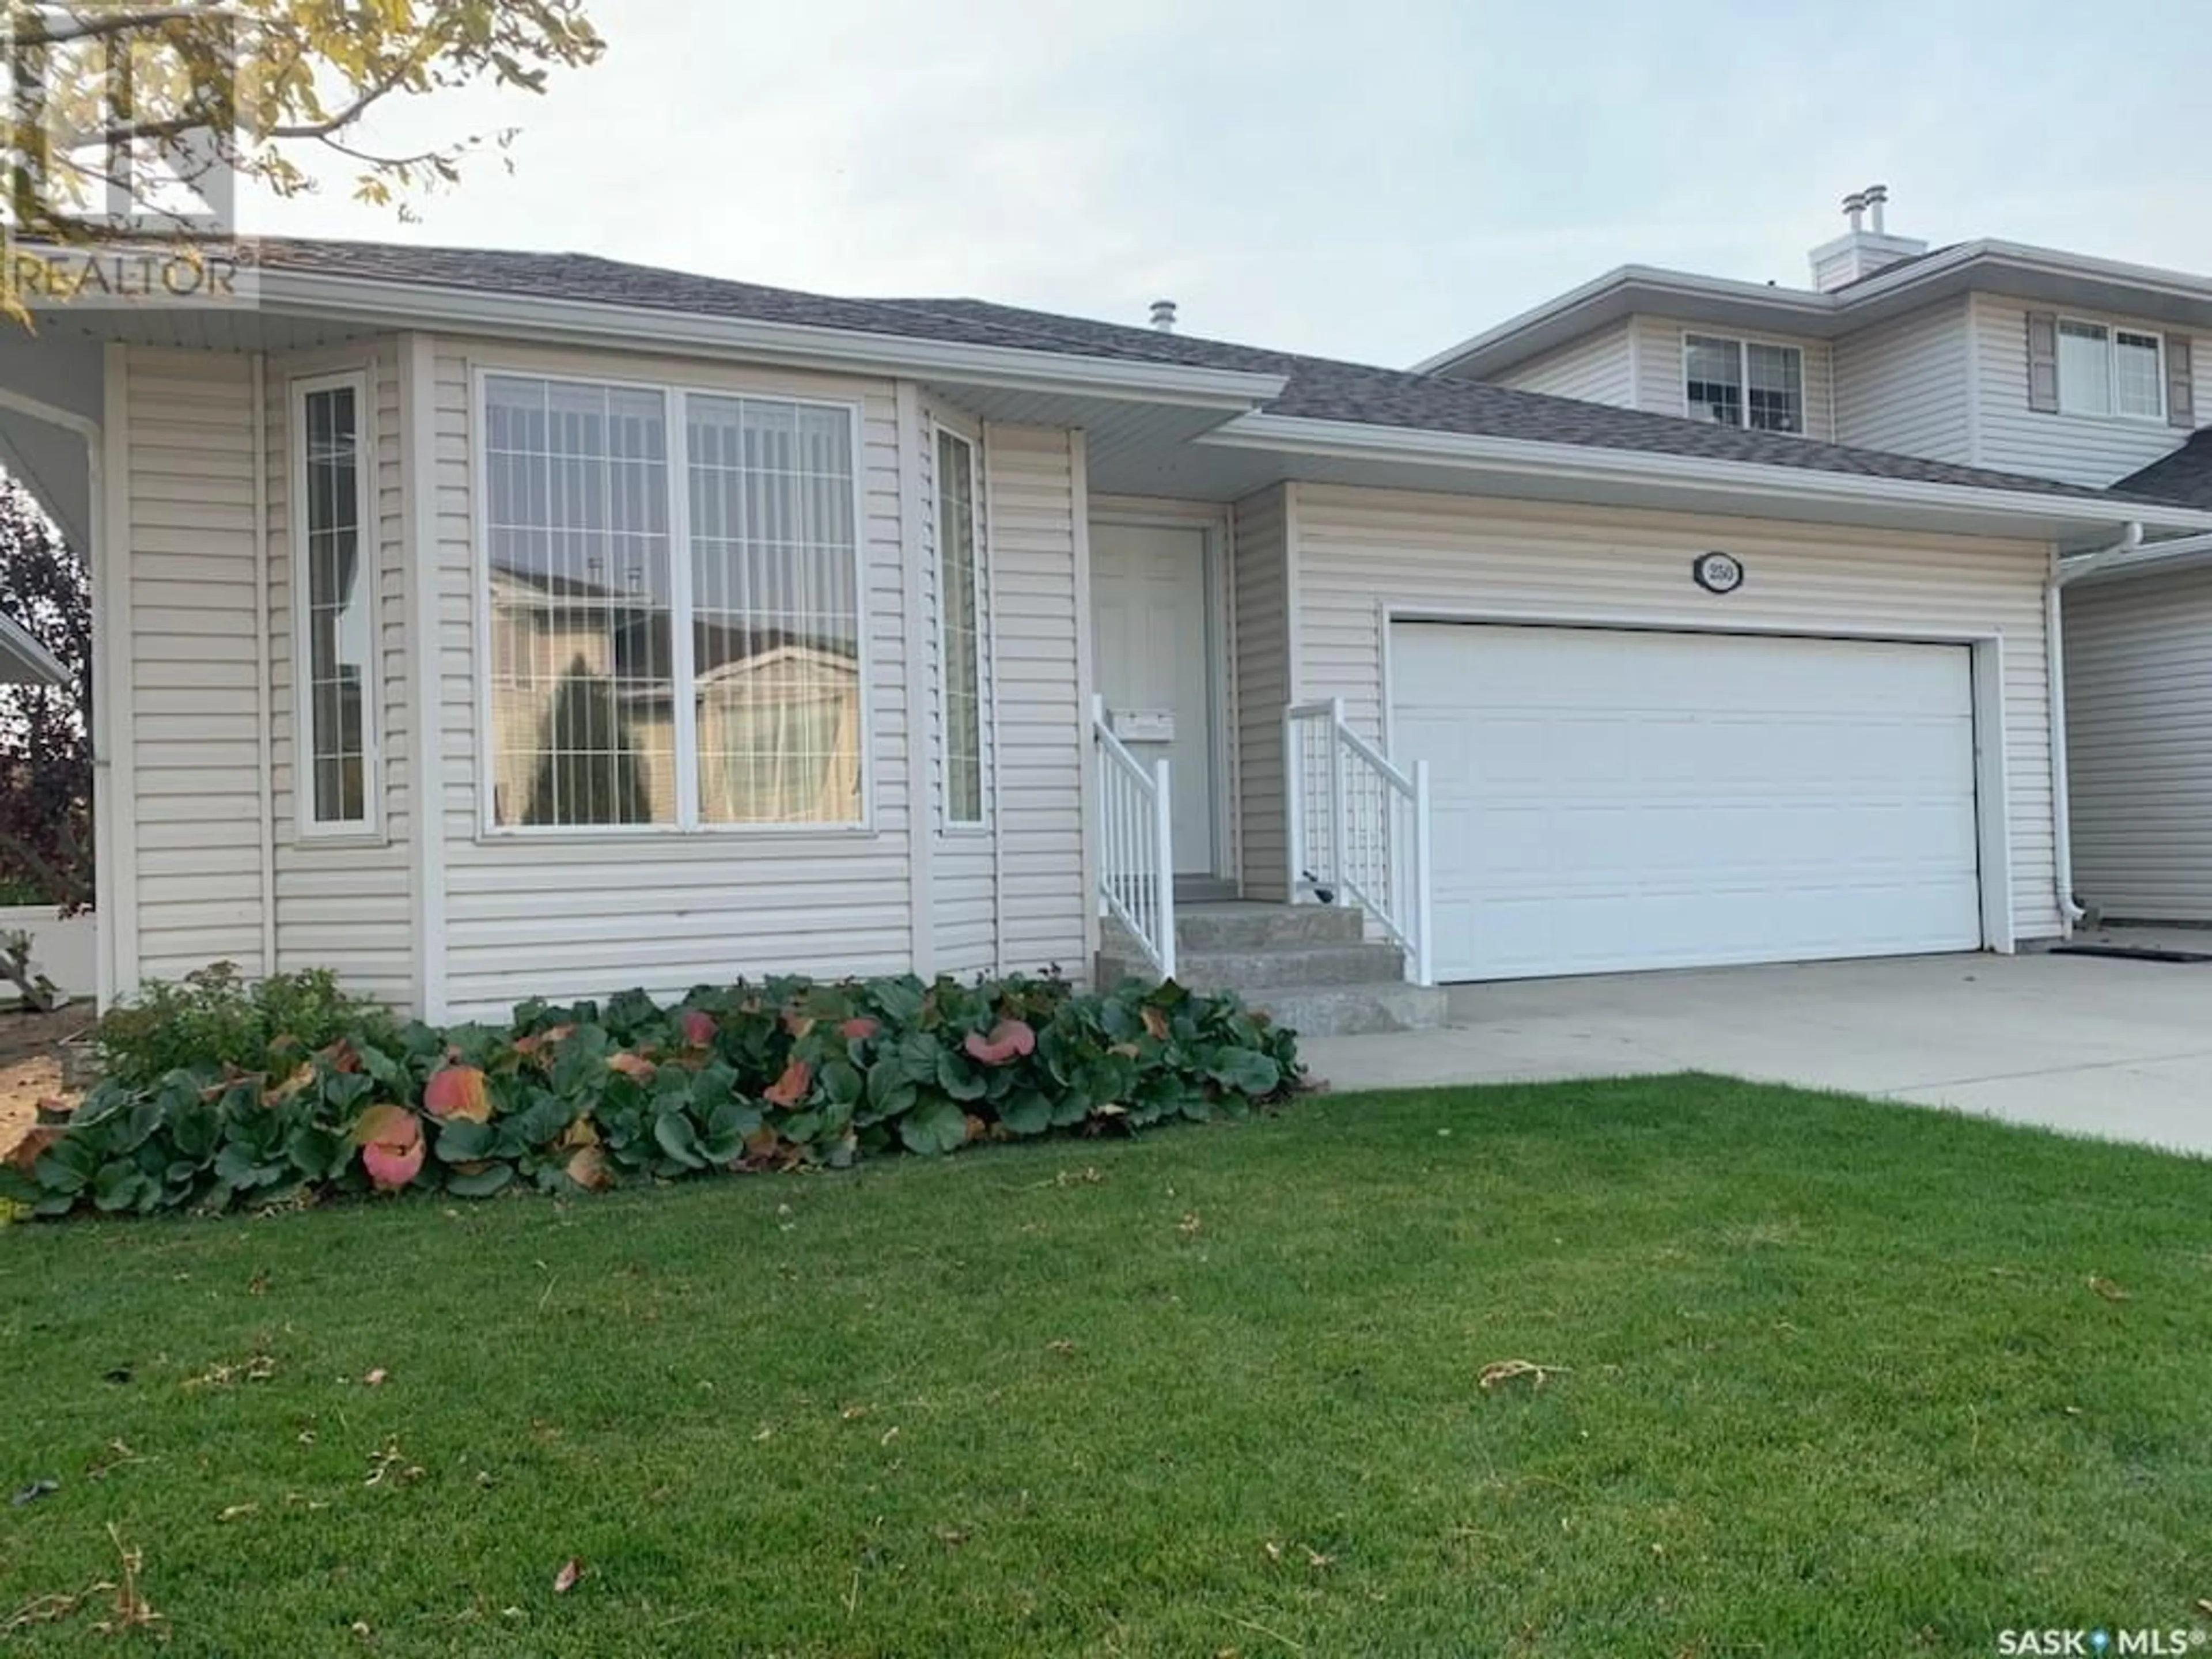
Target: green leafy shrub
[789, 1073]
[215, 1019]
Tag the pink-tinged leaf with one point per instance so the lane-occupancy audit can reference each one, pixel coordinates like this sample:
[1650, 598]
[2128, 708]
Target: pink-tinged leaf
[791, 1088]
[698, 1028]
[1009, 1039]
[859, 1028]
[458, 1092]
[535, 1044]
[588, 1170]
[630, 1065]
[392, 1166]
[797, 1024]
[387, 1125]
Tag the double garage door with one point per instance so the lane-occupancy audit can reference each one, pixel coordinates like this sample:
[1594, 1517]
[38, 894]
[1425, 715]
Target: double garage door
[1605, 799]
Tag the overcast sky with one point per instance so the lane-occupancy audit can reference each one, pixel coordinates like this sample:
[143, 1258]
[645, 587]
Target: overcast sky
[1366, 178]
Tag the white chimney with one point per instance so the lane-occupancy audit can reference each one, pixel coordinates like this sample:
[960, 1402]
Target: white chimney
[1163, 315]
[1866, 247]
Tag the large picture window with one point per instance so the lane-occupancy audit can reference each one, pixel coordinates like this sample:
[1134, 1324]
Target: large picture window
[674, 608]
[335, 608]
[959, 590]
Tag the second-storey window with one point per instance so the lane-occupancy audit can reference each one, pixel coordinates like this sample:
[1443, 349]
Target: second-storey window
[335, 637]
[1747, 383]
[674, 629]
[2109, 371]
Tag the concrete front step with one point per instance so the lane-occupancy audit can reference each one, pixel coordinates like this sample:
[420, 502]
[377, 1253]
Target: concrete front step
[1315, 971]
[1351, 1010]
[1282, 965]
[1244, 925]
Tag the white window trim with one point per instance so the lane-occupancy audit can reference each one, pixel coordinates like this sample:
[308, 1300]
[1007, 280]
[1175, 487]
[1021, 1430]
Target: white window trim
[1743, 343]
[370, 827]
[940, 429]
[2113, 332]
[688, 825]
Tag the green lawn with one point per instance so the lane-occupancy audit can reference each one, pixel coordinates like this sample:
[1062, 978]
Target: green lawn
[1828, 1378]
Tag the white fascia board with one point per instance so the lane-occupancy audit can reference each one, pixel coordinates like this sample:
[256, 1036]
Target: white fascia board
[2039, 261]
[1755, 482]
[2152, 559]
[24, 661]
[530, 317]
[1641, 288]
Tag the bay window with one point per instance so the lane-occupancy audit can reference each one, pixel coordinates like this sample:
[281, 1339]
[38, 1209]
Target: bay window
[960, 598]
[334, 608]
[673, 607]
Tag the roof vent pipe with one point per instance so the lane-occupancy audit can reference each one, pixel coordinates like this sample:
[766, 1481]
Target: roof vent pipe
[1875, 196]
[1163, 315]
[1855, 210]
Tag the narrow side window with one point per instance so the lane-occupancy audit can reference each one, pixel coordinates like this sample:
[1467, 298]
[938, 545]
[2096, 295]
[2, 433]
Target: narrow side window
[334, 653]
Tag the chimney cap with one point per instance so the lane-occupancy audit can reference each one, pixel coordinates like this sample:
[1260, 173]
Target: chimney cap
[1163, 315]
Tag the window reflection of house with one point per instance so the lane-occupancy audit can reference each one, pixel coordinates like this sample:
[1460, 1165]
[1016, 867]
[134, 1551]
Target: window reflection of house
[778, 715]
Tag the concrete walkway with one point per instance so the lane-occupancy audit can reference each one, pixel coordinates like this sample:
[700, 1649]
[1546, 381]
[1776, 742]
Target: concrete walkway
[2088, 1045]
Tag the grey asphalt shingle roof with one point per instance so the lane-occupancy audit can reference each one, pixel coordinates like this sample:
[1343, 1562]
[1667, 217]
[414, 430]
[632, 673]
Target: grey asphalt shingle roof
[1318, 388]
[2186, 476]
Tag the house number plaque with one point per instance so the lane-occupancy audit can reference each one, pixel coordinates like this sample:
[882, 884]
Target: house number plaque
[1717, 572]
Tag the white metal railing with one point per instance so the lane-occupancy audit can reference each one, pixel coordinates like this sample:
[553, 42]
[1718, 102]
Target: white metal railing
[1359, 828]
[1136, 844]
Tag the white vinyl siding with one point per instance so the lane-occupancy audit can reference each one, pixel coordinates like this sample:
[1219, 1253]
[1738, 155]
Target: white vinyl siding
[191, 830]
[1260, 606]
[2139, 739]
[1033, 502]
[2076, 448]
[1596, 368]
[345, 904]
[1361, 552]
[569, 915]
[1902, 385]
[1659, 381]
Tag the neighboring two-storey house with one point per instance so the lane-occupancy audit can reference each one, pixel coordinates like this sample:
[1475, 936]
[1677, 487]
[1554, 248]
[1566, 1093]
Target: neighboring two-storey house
[1980, 354]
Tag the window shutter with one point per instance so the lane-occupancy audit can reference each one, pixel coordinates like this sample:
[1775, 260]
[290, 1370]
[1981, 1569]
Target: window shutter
[2180, 383]
[2043, 362]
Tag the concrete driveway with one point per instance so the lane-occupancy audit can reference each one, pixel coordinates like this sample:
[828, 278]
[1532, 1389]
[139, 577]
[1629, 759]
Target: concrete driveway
[2089, 1045]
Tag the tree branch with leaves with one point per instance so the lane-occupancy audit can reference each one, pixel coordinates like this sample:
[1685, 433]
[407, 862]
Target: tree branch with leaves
[109, 93]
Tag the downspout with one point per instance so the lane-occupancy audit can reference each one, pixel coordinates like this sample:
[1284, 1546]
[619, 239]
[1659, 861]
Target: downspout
[264, 695]
[2063, 571]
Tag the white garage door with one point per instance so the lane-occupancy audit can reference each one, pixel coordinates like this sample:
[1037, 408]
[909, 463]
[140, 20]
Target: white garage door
[1605, 800]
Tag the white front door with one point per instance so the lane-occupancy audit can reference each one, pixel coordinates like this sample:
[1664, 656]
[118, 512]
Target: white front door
[1151, 619]
[1605, 800]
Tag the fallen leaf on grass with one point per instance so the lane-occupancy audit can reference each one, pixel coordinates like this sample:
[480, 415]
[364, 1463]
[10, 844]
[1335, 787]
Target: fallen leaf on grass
[34, 1492]
[1062, 1346]
[2105, 1288]
[259, 1369]
[375, 1378]
[1190, 1225]
[239, 1512]
[1506, 1370]
[571, 1570]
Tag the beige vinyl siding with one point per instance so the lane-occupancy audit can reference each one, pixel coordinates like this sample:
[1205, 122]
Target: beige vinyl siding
[2081, 449]
[1902, 385]
[188, 667]
[1596, 368]
[1661, 382]
[565, 914]
[1361, 553]
[1260, 607]
[1034, 502]
[962, 869]
[2139, 743]
[346, 905]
